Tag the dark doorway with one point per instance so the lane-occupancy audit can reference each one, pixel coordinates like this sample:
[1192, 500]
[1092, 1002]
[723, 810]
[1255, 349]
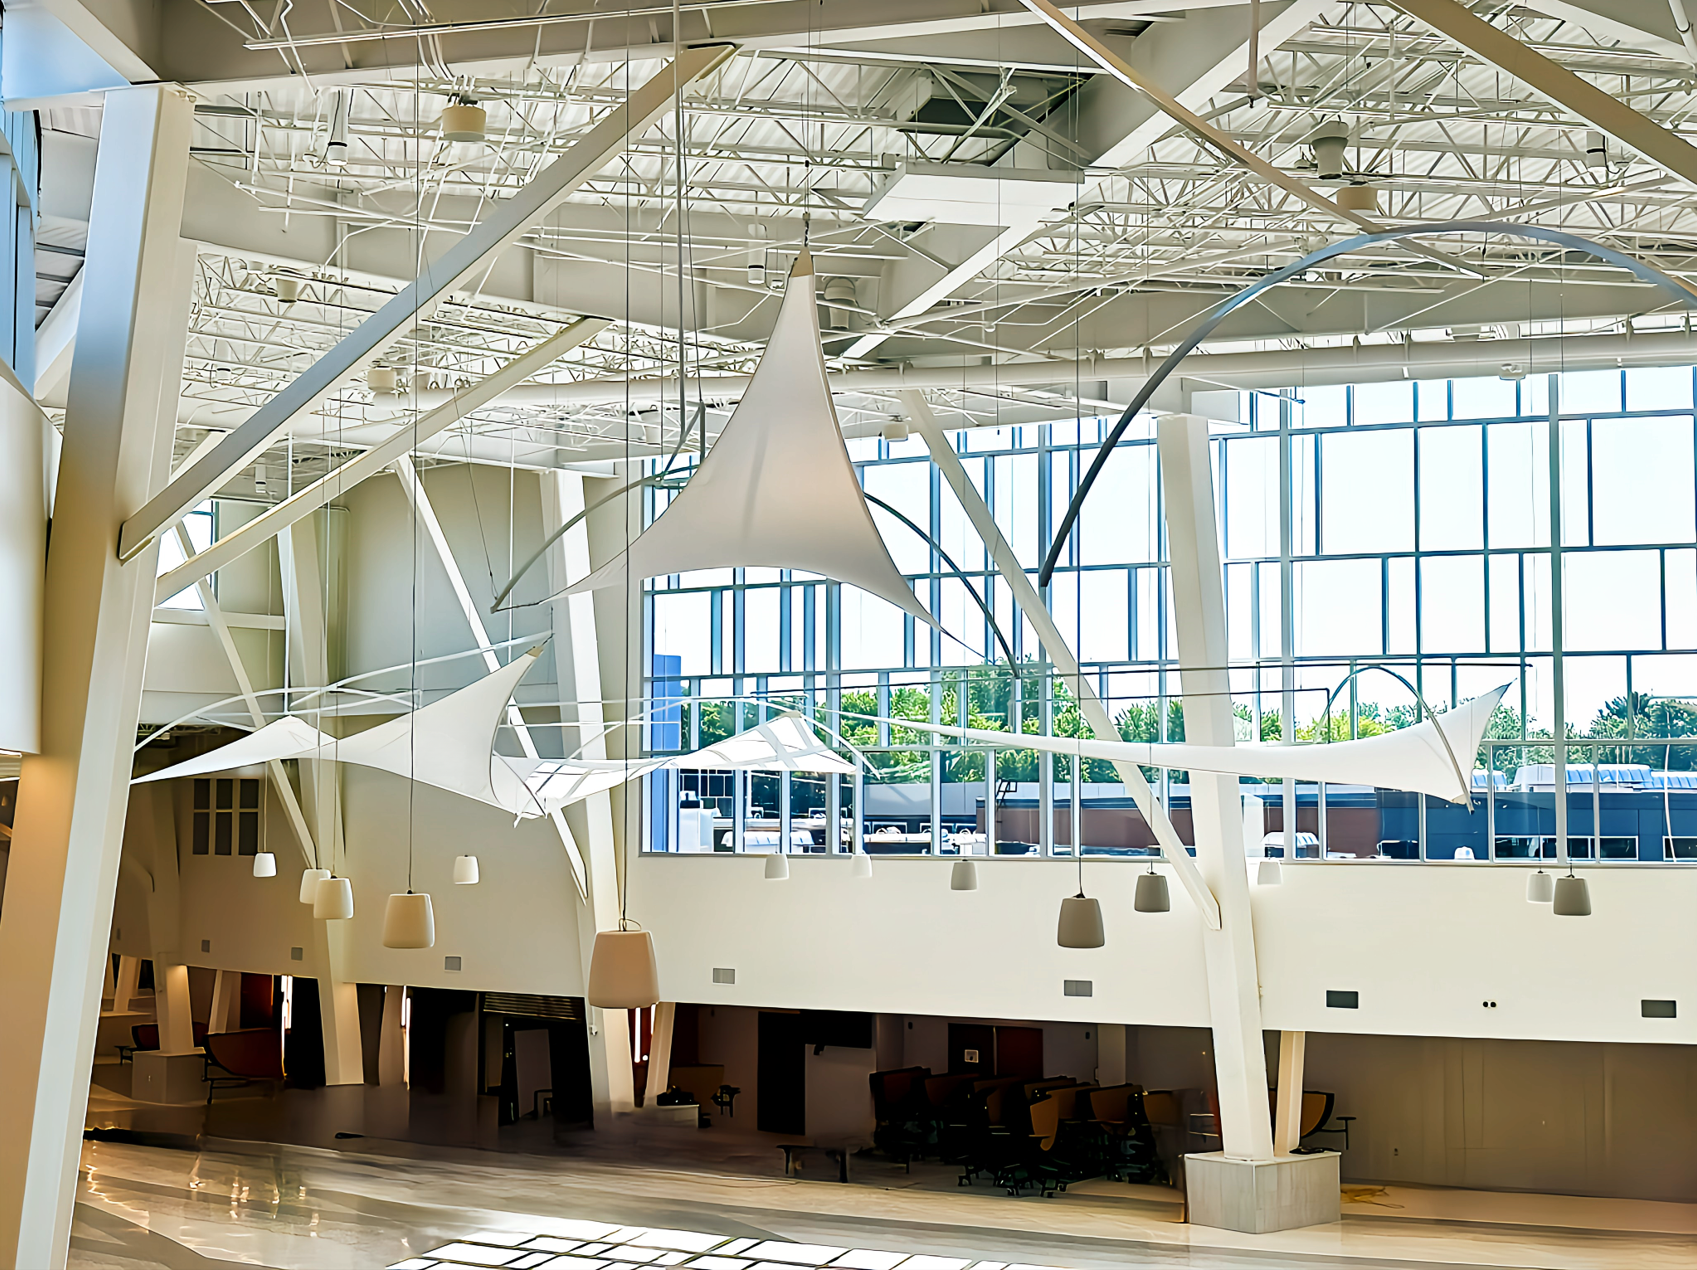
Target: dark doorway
[781, 1089]
[1019, 1052]
[303, 1043]
[972, 1048]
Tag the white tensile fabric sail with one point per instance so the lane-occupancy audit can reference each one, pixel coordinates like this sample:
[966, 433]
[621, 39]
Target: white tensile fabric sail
[448, 743]
[1414, 758]
[777, 489]
[288, 737]
[786, 743]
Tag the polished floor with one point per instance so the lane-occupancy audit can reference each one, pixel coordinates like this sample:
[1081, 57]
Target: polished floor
[626, 1203]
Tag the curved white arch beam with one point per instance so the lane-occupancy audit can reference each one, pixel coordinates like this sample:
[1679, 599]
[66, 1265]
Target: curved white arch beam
[1645, 273]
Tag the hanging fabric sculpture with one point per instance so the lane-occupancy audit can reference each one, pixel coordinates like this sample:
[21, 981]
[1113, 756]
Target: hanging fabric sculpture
[1421, 759]
[777, 489]
[451, 744]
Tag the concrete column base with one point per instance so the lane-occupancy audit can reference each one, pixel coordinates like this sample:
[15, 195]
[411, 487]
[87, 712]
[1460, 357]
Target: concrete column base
[1257, 1196]
[172, 1078]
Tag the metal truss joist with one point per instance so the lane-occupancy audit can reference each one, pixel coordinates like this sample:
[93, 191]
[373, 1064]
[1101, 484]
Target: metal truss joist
[505, 224]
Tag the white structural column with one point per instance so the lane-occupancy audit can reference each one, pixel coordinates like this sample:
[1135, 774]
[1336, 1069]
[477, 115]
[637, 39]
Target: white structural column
[308, 595]
[72, 799]
[660, 1052]
[577, 669]
[151, 834]
[474, 619]
[1198, 587]
[1060, 653]
[226, 1001]
[1287, 1111]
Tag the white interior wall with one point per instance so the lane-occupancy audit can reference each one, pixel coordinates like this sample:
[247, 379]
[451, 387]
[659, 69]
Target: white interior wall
[1576, 1119]
[515, 931]
[1423, 945]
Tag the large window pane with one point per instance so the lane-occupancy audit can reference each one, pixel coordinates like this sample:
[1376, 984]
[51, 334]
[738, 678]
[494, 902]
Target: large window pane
[1368, 491]
[1339, 603]
[1614, 599]
[1452, 493]
[1641, 481]
[1452, 604]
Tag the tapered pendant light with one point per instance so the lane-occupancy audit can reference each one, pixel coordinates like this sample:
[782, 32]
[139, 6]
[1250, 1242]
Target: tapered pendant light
[1152, 894]
[465, 870]
[264, 865]
[964, 876]
[310, 879]
[777, 867]
[623, 974]
[1081, 923]
[334, 901]
[861, 867]
[408, 922]
[1572, 897]
[1269, 873]
[1540, 888]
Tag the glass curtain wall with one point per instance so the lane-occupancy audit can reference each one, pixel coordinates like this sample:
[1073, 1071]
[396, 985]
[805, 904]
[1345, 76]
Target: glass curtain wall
[1400, 525]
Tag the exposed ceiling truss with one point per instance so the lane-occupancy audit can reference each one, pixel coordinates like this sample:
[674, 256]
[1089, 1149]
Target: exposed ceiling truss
[799, 134]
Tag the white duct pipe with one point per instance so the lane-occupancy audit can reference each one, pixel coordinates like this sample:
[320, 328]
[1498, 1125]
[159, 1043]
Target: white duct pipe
[1368, 363]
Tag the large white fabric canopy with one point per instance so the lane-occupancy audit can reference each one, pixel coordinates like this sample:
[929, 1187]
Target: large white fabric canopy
[1413, 758]
[288, 737]
[777, 489]
[450, 744]
[786, 743]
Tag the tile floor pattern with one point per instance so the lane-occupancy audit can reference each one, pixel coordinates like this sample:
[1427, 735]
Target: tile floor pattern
[580, 1245]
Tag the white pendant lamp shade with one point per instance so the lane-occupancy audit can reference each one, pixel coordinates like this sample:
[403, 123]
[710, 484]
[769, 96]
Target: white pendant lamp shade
[1269, 873]
[334, 901]
[1081, 923]
[777, 868]
[623, 974]
[1540, 888]
[408, 922]
[464, 122]
[465, 870]
[1152, 894]
[1572, 897]
[265, 865]
[964, 876]
[1357, 198]
[310, 879]
[862, 865]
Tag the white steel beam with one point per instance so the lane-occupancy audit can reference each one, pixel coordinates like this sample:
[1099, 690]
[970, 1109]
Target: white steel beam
[1206, 132]
[55, 925]
[406, 438]
[1555, 82]
[244, 685]
[507, 221]
[474, 619]
[1060, 652]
